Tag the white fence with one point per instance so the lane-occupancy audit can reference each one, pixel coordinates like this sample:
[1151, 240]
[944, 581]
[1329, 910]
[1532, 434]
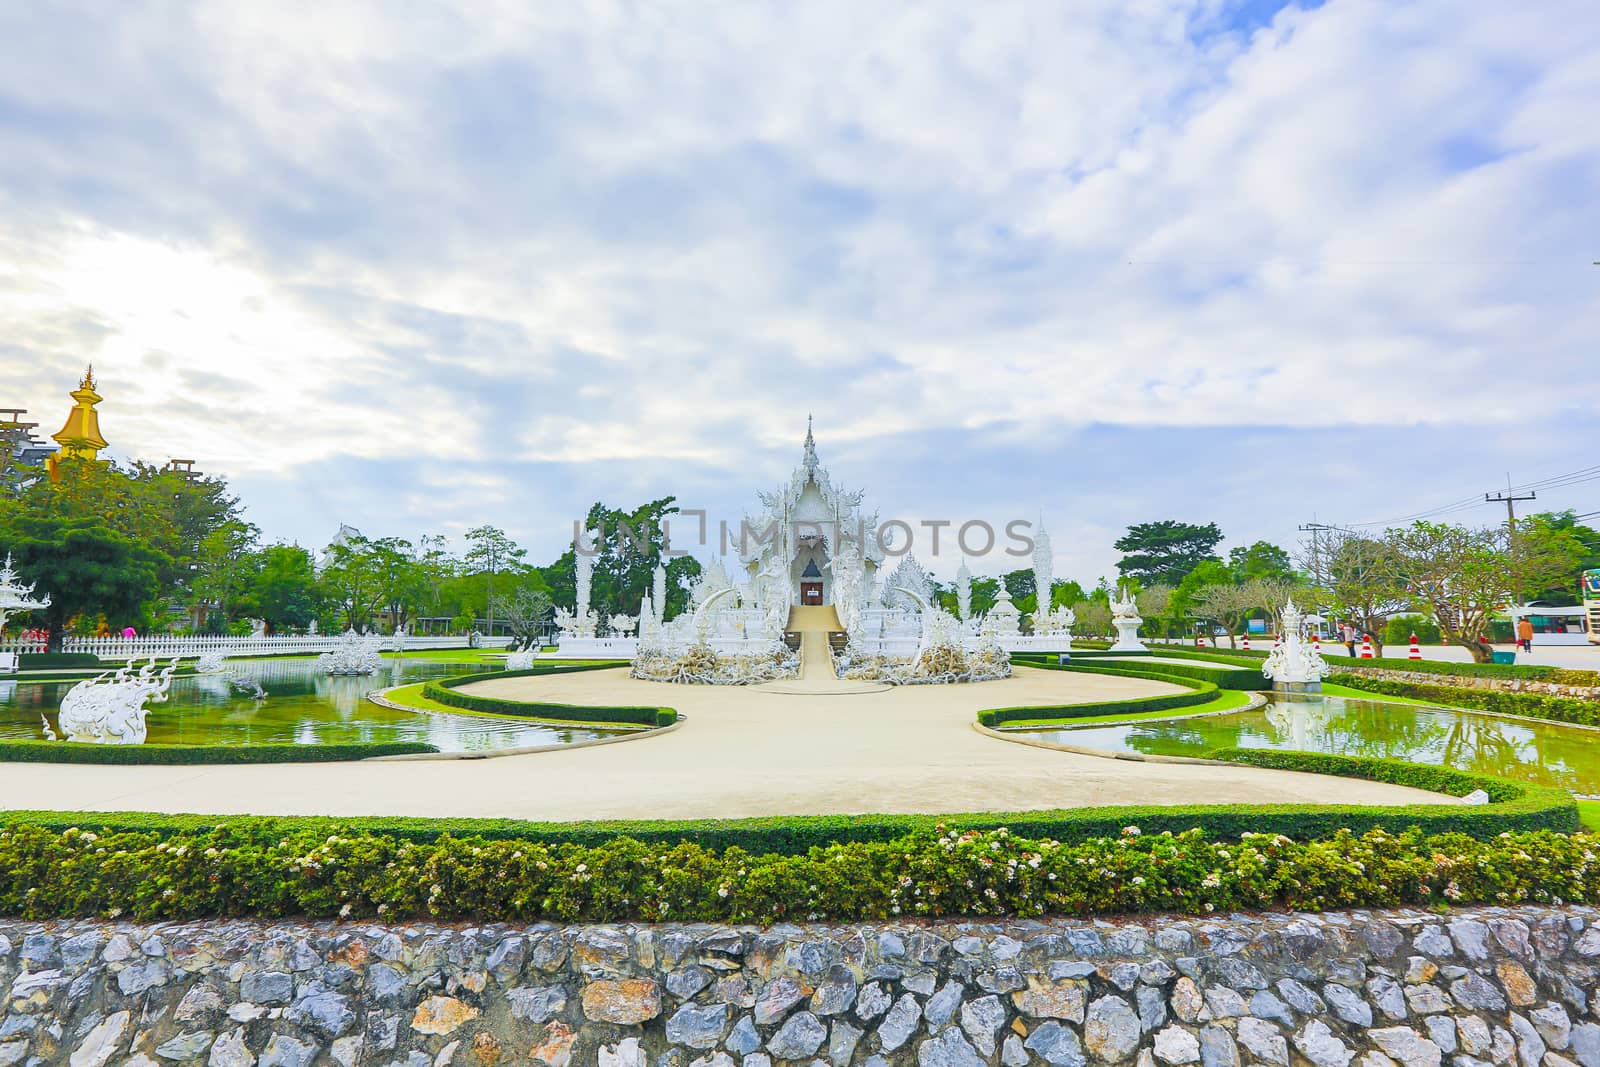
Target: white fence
[169, 645]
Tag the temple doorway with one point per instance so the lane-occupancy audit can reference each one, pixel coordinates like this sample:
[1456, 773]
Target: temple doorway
[811, 593]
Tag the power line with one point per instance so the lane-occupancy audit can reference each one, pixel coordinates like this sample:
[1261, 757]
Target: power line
[1557, 481]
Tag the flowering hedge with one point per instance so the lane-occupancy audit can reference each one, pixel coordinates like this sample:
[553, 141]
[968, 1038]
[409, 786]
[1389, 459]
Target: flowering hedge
[225, 871]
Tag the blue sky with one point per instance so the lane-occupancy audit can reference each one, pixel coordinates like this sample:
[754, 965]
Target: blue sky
[1108, 262]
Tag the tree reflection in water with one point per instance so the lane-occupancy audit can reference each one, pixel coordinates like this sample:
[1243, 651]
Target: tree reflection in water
[1549, 753]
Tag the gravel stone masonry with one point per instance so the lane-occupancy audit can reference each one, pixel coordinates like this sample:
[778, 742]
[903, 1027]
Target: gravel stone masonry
[1481, 987]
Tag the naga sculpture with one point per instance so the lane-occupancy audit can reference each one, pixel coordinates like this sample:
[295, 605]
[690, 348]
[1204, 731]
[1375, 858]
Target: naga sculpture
[356, 654]
[110, 709]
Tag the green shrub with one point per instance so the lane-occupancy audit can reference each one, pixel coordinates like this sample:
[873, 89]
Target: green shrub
[25, 751]
[1200, 692]
[1516, 806]
[444, 692]
[1532, 705]
[57, 661]
[270, 871]
[1527, 672]
[1398, 630]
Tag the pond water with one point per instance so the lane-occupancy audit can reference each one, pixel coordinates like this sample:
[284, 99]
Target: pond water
[302, 706]
[1547, 753]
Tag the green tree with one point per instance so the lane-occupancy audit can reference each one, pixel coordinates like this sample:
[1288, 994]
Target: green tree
[491, 552]
[633, 544]
[225, 568]
[1365, 586]
[85, 568]
[284, 587]
[1260, 560]
[1166, 551]
[526, 610]
[1563, 592]
[1463, 577]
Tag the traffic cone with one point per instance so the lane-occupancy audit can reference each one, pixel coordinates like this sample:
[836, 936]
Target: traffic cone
[1316, 643]
[1366, 647]
[1245, 639]
[1416, 649]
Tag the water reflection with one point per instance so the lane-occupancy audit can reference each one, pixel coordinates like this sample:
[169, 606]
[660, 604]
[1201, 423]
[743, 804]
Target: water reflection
[301, 706]
[1548, 753]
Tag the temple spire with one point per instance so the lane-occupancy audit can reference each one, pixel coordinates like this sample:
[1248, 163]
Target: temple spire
[811, 447]
[80, 437]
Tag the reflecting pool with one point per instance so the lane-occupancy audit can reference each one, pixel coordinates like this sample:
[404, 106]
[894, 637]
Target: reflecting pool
[301, 706]
[1547, 753]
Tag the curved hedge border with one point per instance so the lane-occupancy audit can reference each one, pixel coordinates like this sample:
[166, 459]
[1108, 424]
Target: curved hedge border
[50, 661]
[1495, 701]
[1200, 692]
[1528, 672]
[1514, 806]
[1225, 676]
[443, 691]
[28, 751]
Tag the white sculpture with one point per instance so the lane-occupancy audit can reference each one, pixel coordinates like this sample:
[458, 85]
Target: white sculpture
[211, 662]
[14, 596]
[621, 625]
[398, 642]
[908, 583]
[964, 591]
[1003, 620]
[356, 654]
[520, 661]
[312, 629]
[848, 579]
[1044, 574]
[658, 589]
[1125, 617]
[1294, 665]
[258, 627]
[110, 709]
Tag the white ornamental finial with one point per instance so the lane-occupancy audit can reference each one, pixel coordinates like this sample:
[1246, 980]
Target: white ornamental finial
[811, 448]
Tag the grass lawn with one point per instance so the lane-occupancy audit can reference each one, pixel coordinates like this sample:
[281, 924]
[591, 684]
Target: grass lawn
[1589, 814]
[410, 696]
[1227, 700]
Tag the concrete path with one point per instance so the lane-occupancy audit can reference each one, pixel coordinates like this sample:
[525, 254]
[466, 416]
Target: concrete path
[740, 752]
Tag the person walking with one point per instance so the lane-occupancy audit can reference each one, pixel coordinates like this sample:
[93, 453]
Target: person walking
[1347, 634]
[1525, 634]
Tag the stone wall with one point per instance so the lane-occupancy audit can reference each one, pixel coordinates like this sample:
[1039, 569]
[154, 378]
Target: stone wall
[1514, 987]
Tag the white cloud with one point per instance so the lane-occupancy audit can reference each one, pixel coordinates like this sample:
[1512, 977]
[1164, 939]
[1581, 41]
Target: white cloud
[549, 235]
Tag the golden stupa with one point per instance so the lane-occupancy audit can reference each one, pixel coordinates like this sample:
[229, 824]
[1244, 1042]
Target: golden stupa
[80, 438]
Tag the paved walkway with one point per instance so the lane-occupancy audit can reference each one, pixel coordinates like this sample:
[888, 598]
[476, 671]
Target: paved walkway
[740, 752]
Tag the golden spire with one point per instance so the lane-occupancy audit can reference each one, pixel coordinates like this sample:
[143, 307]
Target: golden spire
[80, 437]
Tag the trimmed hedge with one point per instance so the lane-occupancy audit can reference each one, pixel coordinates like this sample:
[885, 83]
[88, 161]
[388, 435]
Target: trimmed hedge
[1200, 692]
[1513, 805]
[1530, 705]
[1115, 861]
[1224, 677]
[444, 692]
[28, 751]
[1528, 672]
[55, 661]
[1516, 805]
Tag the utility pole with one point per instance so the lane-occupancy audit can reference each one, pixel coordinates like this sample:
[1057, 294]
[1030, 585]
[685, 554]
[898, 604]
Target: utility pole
[1510, 500]
[1316, 530]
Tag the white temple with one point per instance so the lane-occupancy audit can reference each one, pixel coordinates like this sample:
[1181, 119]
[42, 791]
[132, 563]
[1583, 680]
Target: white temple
[809, 560]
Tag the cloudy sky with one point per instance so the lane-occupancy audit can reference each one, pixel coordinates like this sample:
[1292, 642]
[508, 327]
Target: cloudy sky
[420, 267]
